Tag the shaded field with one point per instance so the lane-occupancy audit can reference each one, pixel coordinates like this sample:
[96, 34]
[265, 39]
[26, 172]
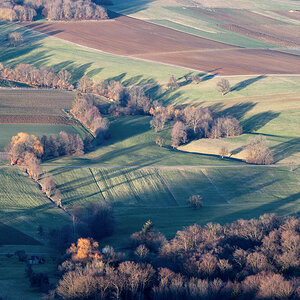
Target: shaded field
[160, 194]
[12, 236]
[153, 42]
[23, 207]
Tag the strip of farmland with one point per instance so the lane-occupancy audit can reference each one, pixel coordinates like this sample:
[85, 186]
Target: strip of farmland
[136, 38]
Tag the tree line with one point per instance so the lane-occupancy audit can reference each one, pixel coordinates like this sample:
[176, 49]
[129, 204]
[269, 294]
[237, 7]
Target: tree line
[246, 259]
[89, 115]
[27, 10]
[43, 77]
[125, 101]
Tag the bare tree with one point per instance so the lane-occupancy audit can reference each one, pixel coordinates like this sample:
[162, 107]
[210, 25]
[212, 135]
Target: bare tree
[223, 151]
[15, 38]
[159, 141]
[172, 84]
[223, 86]
[196, 79]
[179, 134]
[47, 184]
[292, 166]
[258, 152]
[195, 201]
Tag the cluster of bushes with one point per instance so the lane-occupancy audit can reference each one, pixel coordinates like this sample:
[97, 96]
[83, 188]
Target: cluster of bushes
[89, 115]
[43, 77]
[126, 101]
[26, 10]
[247, 259]
[61, 144]
[193, 122]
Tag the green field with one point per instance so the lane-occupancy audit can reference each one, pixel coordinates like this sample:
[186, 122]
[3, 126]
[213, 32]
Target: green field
[140, 180]
[160, 194]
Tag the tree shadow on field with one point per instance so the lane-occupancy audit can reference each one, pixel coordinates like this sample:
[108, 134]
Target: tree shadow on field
[237, 111]
[77, 71]
[259, 120]
[94, 72]
[286, 149]
[243, 84]
[117, 77]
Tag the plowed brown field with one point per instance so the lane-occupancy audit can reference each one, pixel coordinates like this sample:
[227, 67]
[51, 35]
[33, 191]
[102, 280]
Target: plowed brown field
[42, 119]
[131, 37]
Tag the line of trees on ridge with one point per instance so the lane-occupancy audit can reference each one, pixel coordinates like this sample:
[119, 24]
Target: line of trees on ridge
[27, 10]
[43, 77]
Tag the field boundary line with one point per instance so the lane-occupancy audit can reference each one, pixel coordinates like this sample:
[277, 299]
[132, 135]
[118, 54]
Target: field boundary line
[167, 187]
[204, 172]
[161, 166]
[97, 184]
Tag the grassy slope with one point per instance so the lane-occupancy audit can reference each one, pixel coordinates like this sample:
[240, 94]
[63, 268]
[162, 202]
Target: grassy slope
[160, 194]
[132, 143]
[268, 106]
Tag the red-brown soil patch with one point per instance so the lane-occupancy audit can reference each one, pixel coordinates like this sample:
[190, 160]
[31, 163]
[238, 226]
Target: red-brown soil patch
[126, 36]
[235, 62]
[34, 119]
[290, 14]
[131, 37]
[280, 35]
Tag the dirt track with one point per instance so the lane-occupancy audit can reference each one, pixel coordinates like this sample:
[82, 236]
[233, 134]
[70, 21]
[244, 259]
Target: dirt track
[136, 38]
